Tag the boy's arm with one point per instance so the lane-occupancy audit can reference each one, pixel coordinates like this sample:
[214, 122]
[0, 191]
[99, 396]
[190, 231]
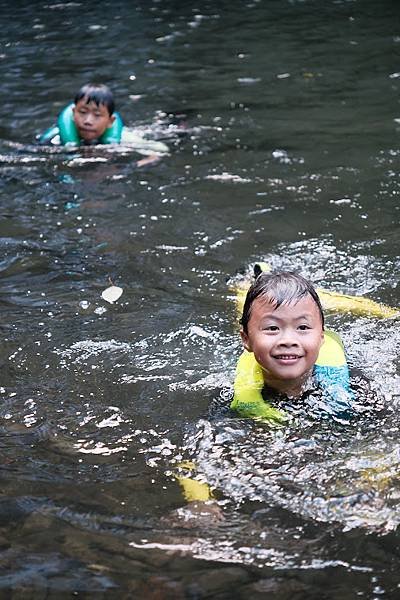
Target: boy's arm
[153, 159]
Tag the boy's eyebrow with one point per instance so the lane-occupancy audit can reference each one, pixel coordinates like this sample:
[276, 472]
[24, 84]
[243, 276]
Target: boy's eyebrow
[273, 316]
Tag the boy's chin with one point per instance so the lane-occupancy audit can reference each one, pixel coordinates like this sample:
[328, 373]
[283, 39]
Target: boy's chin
[88, 136]
[289, 378]
[89, 139]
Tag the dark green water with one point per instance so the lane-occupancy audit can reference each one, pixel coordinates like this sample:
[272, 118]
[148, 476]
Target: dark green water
[282, 119]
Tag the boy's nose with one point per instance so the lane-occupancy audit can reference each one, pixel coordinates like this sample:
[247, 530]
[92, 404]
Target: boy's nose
[287, 339]
[88, 118]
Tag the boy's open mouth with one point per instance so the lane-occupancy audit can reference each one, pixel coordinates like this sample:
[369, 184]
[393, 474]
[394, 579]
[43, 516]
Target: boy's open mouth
[287, 357]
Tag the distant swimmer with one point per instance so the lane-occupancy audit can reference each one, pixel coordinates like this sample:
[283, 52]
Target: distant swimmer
[92, 119]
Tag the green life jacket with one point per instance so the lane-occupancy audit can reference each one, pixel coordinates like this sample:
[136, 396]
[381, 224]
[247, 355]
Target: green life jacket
[68, 131]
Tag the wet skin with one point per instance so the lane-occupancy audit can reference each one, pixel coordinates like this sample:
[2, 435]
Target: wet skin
[91, 120]
[285, 341]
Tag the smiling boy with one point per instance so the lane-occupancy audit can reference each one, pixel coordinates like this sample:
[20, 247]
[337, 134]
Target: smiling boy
[283, 325]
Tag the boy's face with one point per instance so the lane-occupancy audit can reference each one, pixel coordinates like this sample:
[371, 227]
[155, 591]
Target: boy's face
[285, 340]
[91, 120]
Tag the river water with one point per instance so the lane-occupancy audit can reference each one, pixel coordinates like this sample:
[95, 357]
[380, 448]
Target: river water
[282, 121]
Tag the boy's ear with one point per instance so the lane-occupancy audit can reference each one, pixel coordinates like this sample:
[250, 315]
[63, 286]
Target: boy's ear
[245, 340]
[322, 338]
[112, 118]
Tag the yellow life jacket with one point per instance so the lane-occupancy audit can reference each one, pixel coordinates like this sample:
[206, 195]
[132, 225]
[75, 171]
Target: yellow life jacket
[331, 373]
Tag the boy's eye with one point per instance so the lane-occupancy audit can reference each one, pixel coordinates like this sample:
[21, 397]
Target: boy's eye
[304, 327]
[271, 328]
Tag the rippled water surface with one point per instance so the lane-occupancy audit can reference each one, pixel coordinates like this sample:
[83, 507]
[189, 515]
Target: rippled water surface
[282, 122]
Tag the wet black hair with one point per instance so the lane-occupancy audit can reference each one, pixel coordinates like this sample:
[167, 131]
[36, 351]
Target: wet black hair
[280, 288]
[98, 93]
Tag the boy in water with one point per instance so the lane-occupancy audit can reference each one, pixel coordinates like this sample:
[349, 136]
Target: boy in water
[92, 119]
[282, 326]
[291, 358]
